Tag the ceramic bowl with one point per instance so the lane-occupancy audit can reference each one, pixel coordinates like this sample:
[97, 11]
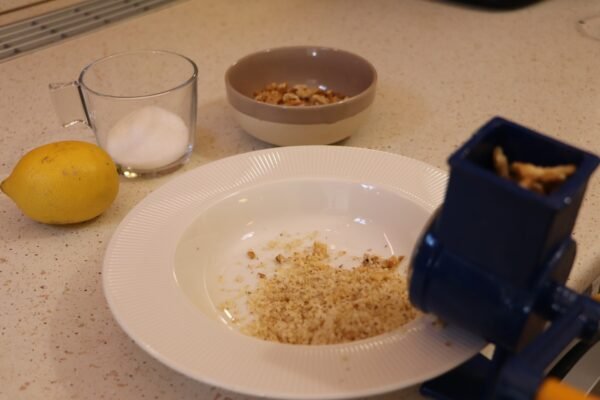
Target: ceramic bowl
[322, 67]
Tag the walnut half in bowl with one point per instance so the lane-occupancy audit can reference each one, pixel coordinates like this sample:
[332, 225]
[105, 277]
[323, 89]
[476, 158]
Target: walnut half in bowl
[297, 95]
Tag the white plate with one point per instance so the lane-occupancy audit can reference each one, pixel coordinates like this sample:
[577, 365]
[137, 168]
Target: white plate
[170, 258]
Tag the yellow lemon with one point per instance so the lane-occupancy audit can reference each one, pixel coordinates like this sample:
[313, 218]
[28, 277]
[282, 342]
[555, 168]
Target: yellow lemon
[63, 182]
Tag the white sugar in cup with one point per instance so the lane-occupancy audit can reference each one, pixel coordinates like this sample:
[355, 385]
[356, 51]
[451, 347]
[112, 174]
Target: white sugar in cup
[148, 138]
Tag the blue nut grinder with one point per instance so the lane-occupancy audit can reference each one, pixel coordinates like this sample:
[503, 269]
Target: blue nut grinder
[494, 259]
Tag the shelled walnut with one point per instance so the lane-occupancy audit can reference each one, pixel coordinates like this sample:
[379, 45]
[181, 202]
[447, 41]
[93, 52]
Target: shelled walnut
[297, 95]
[537, 178]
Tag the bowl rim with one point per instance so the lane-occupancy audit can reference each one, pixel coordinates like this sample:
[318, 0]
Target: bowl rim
[295, 110]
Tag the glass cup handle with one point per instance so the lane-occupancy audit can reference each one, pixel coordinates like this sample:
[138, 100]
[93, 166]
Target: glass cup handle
[69, 104]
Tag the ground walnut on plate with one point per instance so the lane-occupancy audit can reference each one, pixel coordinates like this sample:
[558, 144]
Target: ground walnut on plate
[539, 179]
[309, 299]
[297, 95]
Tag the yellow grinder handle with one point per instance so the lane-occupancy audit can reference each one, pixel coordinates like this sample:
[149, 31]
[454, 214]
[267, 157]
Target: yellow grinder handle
[553, 389]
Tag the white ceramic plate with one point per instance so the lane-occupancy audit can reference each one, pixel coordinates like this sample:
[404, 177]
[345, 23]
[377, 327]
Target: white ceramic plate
[169, 260]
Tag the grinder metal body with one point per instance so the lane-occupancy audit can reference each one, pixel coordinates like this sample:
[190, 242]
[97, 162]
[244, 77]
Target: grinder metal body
[494, 260]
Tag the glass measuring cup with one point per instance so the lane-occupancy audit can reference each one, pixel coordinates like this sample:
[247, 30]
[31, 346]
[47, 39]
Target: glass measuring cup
[141, 105]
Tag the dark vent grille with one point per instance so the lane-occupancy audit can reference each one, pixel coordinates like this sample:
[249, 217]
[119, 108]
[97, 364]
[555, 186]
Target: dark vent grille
[45, 29]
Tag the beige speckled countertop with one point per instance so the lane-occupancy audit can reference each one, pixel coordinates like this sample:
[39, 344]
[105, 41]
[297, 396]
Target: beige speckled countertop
[444, 70]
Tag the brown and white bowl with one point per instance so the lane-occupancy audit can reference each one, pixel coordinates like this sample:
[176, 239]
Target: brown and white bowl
[314, 66]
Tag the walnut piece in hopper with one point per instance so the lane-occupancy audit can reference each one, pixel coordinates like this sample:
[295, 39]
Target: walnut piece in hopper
[539, 179]
[296, 95]
[309, 301]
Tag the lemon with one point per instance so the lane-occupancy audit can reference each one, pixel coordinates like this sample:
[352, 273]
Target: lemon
[63, 182]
